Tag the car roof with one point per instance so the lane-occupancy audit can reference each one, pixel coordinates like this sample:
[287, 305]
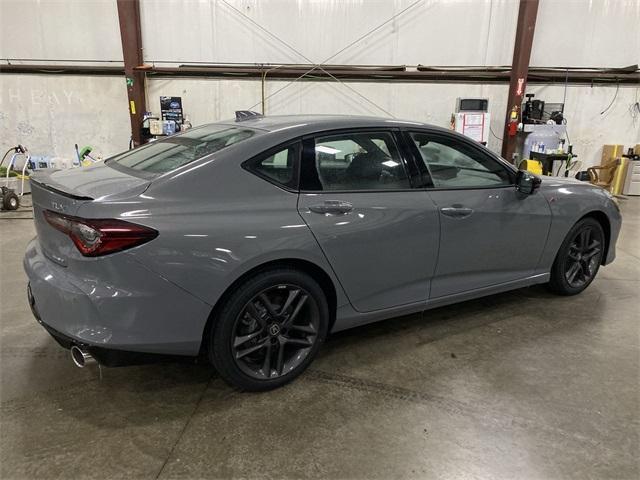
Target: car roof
[303, 124]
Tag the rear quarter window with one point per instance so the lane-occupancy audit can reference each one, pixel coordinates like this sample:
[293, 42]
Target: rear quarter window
[173, 152]
[278, 166]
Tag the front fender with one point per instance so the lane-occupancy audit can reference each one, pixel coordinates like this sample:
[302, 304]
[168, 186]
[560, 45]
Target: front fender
[569, 202]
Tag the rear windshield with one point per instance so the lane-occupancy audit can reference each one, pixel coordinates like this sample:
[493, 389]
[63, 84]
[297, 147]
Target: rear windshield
[165, 155]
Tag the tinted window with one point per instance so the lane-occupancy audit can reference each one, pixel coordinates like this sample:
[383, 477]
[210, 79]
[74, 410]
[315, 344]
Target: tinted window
[278, 166]
[354, 161]
[458, 165]
[165, 155]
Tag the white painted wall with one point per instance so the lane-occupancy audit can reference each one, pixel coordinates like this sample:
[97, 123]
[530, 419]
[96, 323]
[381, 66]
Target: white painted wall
[208, 100]
[49, 114]
[587, 33]
[60, 30]
[35, 109]
[433, 32]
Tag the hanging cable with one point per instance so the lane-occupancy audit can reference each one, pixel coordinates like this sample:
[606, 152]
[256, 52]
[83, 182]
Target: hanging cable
[634, 109]
[491, 130]
[319, 65]
[613, 100]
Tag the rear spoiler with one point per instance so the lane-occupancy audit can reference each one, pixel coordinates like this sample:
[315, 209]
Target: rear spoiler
[59, 192]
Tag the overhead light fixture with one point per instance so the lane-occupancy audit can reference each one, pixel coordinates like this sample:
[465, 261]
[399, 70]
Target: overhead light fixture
[390, 163]
[325, 149]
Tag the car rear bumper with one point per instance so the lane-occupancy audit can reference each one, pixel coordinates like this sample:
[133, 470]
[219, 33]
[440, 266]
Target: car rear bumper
[116, 304]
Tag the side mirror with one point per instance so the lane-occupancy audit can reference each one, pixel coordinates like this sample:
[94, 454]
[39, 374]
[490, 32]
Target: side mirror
[527, 183]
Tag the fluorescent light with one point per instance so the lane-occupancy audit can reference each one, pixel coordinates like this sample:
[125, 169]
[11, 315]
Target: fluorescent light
[403, 121]
[390, 163]
[286, 128]
[325, 149]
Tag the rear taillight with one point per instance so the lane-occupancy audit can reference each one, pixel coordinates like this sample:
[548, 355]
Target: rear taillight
[96, 237]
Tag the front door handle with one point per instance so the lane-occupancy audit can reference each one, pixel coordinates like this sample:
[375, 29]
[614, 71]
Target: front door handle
[456, 212]
[332, 207]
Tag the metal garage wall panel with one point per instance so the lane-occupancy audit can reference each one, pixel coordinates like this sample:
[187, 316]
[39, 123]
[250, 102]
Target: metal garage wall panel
[587, 33]
[207, 100]
[58, 29]
[49, 114]
[434, 32]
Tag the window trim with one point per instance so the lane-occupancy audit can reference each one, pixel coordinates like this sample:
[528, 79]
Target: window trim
[309, 141]
[294, 184]
[455, 139]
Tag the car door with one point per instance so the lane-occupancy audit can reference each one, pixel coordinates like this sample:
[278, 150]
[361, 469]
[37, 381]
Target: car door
[380, 236]
[490, 234]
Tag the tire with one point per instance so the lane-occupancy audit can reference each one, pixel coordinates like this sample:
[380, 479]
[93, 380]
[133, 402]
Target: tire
[10, 201]
[578, 259]
[252, 327]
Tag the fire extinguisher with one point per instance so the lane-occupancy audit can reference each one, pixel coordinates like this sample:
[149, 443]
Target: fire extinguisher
[514, 119]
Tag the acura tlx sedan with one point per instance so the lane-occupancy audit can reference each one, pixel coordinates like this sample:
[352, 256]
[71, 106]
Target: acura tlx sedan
[246, 242]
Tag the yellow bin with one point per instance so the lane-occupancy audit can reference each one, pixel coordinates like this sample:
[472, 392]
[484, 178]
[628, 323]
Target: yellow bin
[533, 166]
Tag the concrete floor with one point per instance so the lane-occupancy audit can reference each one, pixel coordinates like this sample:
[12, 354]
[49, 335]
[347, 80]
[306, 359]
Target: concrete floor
[522, 385]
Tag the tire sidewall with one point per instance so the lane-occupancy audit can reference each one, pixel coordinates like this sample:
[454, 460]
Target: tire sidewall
[220, 351]
[10, 201]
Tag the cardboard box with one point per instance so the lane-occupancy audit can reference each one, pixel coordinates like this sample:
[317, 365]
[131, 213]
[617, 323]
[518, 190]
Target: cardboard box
[636, 149]
[610, 152]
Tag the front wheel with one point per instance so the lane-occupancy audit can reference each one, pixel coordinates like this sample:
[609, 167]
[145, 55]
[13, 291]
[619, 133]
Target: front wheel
[269, 330]
[578, 259]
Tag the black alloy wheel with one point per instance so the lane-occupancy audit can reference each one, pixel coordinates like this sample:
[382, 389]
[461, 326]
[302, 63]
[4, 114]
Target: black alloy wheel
[269, 329]
[579, 258]
[275, 331]
[583, 257]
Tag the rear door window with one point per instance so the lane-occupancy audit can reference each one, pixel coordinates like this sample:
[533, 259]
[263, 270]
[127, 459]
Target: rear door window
[173, 152]
[354, 161]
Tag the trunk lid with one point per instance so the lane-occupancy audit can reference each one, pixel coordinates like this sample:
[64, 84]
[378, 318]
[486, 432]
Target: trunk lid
[64, 191]
[96, 182]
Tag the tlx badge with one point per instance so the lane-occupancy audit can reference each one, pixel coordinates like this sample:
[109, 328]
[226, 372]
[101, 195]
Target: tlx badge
[57, 206]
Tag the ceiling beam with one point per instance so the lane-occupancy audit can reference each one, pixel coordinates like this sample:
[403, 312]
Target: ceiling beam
[131, 36]
[527, 14]
[354, 73]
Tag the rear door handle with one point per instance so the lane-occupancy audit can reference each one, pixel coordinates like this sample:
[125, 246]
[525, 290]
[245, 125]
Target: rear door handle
[332, 207]
[456, 212]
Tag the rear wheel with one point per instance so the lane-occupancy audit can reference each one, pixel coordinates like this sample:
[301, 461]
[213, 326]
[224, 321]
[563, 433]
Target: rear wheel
[269, 330]
[578, 259]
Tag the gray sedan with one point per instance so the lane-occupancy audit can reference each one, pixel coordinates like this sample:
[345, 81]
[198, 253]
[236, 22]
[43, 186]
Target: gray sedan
[246, 242]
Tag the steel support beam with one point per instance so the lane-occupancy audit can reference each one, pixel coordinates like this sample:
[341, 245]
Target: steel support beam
[379, 74]
[527, 14]
[131, 36]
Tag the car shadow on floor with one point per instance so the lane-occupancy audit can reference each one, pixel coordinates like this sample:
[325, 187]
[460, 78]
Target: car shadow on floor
[441, 322]
[163, 383]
